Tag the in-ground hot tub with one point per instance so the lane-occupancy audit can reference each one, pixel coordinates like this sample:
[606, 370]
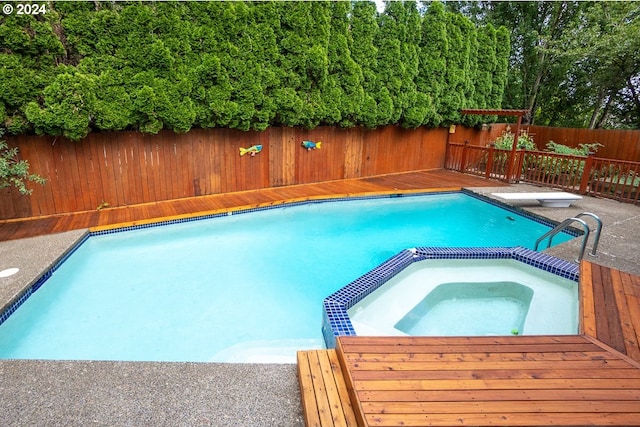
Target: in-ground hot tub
[458, 292]
[467, 308]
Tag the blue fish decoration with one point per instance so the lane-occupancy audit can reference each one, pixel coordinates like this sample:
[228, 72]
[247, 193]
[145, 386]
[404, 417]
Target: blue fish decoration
[253, 150]
[310, 145]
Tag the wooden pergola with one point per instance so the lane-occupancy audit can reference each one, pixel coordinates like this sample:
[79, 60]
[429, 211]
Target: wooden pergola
[518, 114]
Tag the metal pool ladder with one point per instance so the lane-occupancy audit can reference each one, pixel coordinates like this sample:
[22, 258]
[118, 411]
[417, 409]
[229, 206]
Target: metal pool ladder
[566, 223]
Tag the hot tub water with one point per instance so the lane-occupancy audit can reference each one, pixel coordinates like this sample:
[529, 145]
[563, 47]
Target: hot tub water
[491, 308]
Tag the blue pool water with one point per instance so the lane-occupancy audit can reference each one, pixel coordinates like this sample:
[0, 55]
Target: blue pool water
[236, 288]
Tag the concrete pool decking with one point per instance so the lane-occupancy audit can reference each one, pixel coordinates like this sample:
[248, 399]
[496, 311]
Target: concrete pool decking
[192, 394]
[619, 245]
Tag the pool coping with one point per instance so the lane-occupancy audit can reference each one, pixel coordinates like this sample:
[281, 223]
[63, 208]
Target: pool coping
[336, 321]
[9, 307]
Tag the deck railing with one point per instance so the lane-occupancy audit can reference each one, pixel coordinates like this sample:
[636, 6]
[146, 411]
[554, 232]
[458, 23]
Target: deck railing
[610, 178]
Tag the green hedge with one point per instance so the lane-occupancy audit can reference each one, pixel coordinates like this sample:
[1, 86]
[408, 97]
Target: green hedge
[104, 66]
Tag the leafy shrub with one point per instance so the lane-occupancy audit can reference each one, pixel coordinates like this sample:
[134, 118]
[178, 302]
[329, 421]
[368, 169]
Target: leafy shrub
[505, 141]
[580, 150]
[14, 172]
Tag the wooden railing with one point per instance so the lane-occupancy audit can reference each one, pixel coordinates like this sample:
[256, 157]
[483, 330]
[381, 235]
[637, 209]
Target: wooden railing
[553, 170]
[482, 161]
[615, 179]
[596, 176]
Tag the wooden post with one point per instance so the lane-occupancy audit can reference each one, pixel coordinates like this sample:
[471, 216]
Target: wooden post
[447, 153]
[490, 154]
[586, 173]
[463, 161]
[518, 171]
[512, 155]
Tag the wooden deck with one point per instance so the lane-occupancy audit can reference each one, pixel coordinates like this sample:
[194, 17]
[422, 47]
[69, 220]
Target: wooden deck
[508, 381]
[433, 180]
[610, 308]
[587, 379]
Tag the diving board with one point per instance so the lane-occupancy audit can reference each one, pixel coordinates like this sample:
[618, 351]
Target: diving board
[553, 199]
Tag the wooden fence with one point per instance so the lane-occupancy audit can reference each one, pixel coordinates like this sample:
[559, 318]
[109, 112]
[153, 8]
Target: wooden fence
[127, 168]
[616, 144]
[124, 168]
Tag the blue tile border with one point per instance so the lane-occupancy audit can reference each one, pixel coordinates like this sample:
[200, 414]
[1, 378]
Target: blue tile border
[269, 207]
[336, 322]
[572, 231]
[22, 297]
[541, 220]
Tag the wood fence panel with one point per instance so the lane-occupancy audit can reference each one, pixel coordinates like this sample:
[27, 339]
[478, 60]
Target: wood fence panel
[275, 153]
[113, 192]
[617, 144]
[432, 152]
[124, 168]
[200, 160]
[324, 164]
[386, 151]
[629, 147]
[480, 137]
[369, 151]
[353, 152]
[282, 158]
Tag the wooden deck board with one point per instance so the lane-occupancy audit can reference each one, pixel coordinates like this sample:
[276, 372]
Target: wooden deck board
[153, 212]
[615, 306]
[469, 391]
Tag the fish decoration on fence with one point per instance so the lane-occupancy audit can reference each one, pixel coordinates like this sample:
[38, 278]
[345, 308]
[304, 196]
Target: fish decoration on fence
[253, 150]
[310, 145]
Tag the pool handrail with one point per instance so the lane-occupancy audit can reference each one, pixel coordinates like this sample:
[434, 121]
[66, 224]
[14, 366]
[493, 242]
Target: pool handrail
[585, 237]
[596, 238]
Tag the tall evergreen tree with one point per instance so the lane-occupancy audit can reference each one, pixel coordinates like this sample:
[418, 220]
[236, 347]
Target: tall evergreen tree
[499, 78]
[486, 66]
[434, 49]
[344, 96]
[304, 45]
[391, 67]
[415, 104]
[456, 76]
[29, 52]
[470, 67]
[211, 55]
[245, 65]
[364, 32]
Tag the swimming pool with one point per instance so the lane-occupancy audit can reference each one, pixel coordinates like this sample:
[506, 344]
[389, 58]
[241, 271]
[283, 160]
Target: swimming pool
[236, 288]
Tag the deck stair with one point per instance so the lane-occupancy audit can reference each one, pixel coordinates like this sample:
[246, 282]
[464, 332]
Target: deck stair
[325, 399]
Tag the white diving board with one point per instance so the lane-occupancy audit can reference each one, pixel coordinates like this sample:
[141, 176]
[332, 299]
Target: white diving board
[554, 199]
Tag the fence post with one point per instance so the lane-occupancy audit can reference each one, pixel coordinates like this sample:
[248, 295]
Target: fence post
[586, 174]
[463, 161]
[489, 167]
[517, 173]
